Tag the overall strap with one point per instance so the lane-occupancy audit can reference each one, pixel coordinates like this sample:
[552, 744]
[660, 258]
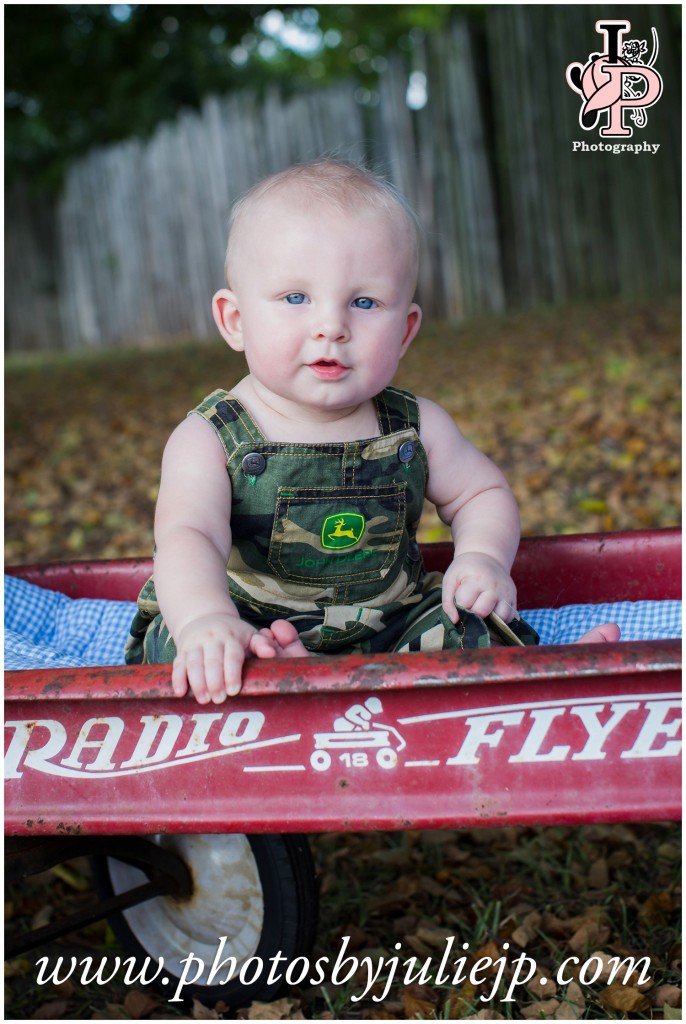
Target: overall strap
[396, 410]
[232, 422]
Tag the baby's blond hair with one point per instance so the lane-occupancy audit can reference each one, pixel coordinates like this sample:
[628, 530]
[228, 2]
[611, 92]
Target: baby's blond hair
[341, 184]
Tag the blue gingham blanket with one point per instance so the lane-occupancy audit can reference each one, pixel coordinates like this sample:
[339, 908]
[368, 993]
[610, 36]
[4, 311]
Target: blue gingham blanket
[44, 629]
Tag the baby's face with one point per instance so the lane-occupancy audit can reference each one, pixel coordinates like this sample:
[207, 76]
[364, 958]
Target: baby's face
[324, 299]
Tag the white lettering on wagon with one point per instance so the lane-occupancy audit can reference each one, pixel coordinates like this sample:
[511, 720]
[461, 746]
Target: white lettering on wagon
[655, 726]
[37, 743]
[631, 727]
[111, 730]
[652, 722]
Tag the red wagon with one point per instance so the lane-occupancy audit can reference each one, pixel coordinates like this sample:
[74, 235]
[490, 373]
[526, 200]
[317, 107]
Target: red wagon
[196, 815]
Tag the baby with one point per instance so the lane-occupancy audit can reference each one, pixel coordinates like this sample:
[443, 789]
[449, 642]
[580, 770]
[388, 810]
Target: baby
[288, 508]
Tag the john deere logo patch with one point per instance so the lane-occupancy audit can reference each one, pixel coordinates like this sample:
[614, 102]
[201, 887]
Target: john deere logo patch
[342, 530]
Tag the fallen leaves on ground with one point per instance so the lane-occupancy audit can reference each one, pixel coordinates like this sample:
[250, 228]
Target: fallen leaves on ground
[580, 408]
[489, 896]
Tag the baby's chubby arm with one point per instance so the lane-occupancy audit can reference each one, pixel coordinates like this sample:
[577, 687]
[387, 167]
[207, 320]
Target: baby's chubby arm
[472, 496]
[193, 541]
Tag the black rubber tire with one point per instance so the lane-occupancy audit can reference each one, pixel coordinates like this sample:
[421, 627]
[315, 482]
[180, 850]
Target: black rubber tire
[284, 870]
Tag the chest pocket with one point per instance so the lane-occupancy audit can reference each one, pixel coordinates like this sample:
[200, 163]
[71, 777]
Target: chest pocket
[327, 535]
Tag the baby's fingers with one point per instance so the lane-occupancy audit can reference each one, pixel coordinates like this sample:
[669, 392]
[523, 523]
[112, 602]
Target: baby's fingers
[472, 596]
[506, 611]
[179, 678]
[205, 669]
[482, 600]
[234, 656]
[212, 673]
[188, 672]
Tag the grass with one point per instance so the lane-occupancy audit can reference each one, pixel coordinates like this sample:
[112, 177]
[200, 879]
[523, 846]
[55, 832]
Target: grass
[480, 886]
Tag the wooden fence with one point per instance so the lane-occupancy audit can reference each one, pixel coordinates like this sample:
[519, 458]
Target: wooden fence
[133, 249]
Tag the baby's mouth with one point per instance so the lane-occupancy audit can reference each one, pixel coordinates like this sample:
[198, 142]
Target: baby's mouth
[329, 368]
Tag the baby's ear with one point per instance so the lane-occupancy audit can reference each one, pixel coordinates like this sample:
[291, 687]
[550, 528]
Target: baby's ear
[412, 325]
[227, 317]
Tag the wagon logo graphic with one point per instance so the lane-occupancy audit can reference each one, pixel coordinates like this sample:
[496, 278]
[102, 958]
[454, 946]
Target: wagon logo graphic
[616, 81]
[354, 735]
[342, 530]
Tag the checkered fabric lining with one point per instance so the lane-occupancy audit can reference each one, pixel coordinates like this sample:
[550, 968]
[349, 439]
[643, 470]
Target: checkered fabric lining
[44, 629]
[638, 620]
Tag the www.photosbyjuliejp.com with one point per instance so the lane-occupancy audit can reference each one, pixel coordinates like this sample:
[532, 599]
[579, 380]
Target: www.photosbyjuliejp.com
[495, 979]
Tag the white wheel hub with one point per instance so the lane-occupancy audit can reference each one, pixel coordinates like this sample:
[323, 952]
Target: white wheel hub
[226, 900]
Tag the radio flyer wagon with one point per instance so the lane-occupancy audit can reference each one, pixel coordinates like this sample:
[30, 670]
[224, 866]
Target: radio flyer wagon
[197, 815]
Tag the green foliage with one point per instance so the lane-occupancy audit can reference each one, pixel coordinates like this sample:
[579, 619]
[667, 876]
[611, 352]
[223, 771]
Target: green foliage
[82, 75]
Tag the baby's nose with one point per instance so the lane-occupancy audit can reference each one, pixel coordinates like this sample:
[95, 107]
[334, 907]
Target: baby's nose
[331, 326]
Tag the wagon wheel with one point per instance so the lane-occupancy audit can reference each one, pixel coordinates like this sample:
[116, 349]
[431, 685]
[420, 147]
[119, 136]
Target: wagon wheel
[258, 891]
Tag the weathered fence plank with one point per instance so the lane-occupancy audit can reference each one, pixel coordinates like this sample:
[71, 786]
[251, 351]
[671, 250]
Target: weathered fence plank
[31, 289]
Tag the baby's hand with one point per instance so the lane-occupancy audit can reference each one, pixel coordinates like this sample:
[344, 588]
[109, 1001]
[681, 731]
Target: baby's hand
[480, 584]
[210, 656]
[211, 652]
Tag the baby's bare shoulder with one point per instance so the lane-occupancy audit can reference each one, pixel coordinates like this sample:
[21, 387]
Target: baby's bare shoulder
[194, 485]
[194, 438]
[436, 425]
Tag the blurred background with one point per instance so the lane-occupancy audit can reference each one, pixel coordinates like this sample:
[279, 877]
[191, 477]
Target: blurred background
[550, 278]
[130, 129]
[550, 283]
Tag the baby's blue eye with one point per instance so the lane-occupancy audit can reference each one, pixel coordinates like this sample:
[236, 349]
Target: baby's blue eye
[364, 303]
[295, 298]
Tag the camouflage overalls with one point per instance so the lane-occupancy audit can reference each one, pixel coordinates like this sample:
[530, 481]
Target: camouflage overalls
[325, 536]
